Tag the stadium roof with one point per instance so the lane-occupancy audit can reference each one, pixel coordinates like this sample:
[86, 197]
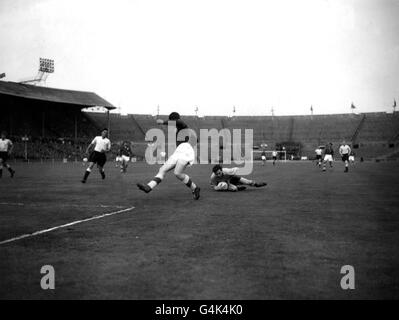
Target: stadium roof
[81, 98]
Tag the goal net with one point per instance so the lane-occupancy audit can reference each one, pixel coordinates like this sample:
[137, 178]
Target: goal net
[257, 155]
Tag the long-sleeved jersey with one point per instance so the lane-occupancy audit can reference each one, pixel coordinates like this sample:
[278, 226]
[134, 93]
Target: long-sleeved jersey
[228, 173]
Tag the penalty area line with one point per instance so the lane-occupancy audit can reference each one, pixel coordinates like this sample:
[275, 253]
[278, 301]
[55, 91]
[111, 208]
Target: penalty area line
[28, 235]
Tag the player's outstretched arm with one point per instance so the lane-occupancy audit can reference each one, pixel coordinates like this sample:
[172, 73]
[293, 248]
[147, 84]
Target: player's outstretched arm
[179, 122]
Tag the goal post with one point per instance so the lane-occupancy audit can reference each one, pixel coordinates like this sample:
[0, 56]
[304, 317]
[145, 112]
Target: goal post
[257, 155]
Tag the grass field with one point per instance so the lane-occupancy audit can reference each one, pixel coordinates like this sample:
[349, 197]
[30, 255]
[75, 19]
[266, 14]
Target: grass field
[286, 241]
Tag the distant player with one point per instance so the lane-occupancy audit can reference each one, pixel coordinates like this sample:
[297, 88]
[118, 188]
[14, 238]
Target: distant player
[344, 151]
[263, 156]
[181, 158]
[101, 145]
[319, 153]
[6, 147]
[328, 156]
[274, 155]
[125, 152]
[118, 161]
[226, 179]
[352, 157]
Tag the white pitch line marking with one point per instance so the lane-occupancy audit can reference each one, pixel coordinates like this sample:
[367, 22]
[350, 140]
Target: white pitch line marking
[19, 204]
[64, 226]
[11, 204]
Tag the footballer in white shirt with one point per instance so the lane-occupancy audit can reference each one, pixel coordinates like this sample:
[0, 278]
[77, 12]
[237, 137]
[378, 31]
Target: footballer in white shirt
[319, 156]
[274, 155]
[344, 151]
[101, 145]
[263, 156]
[6, 147]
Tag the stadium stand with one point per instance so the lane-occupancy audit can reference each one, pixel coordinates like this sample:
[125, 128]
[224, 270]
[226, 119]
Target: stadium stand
[57, 128]
[50, 118]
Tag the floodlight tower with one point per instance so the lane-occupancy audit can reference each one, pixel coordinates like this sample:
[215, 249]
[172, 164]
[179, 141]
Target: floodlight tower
[46, 66]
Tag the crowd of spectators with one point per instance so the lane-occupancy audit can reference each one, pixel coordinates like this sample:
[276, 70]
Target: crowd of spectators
[48, 148]
[55, 148]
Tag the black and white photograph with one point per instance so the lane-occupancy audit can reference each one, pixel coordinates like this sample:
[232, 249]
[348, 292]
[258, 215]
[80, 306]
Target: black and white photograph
[187, 150]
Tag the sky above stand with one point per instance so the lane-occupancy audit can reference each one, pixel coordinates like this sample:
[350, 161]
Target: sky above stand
[256, 55]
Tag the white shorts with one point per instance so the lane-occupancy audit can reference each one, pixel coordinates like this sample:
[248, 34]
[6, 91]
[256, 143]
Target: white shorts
[351, 158]
[263, 158]
[125, 158]
[183, 152]
[118, 159]
[328, 157]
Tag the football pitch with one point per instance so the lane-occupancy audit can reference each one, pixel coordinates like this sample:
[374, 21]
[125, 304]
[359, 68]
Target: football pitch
[288, 240]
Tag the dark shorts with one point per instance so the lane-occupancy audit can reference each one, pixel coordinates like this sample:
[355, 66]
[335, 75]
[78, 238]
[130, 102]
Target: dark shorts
[4, 156]
[318, 156]
[98, 157]
[345, 157]
[235, 180]
[274, 158]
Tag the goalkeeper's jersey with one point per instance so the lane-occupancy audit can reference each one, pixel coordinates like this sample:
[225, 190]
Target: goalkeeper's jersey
[228, 173]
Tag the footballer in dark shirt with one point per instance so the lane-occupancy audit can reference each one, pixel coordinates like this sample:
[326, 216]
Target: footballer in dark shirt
[125, 152]
[181, 158]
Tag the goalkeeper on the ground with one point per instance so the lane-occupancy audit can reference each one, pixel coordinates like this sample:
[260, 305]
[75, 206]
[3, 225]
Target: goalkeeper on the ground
[226, 179]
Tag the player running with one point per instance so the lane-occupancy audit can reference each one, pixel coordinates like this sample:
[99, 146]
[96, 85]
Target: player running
[183, 157]
[6, 147]
[125, 152]
[328, 156]
[226, 179]
[319, 152]
[344, 151]
[101, 145]
[263, 156]
[352, 157]
[274, 155]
